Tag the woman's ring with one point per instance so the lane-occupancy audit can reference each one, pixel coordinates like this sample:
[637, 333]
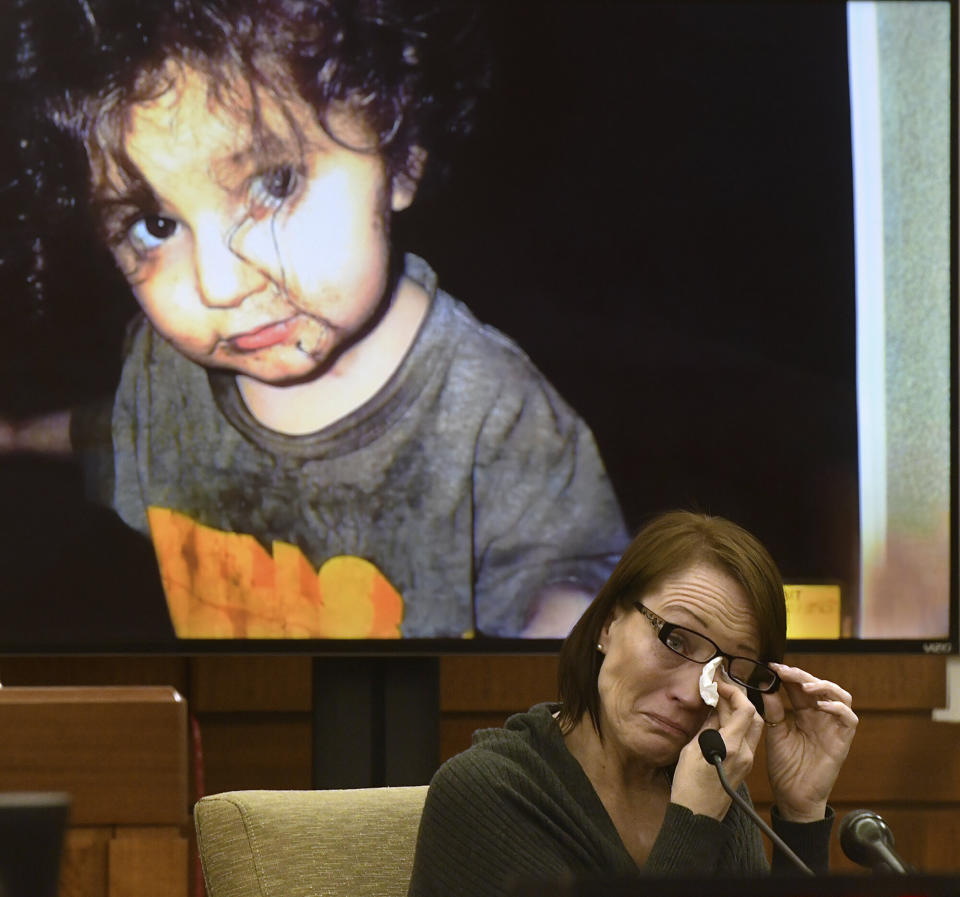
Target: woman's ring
[772, 725]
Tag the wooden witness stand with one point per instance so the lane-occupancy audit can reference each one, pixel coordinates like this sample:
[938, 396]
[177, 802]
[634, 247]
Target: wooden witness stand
[121, 754]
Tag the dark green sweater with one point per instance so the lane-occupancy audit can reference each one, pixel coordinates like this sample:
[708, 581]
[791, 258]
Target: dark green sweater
[517, 804]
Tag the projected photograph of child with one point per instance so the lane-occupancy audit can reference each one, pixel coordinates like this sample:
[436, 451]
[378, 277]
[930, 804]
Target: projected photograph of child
[240, 229]
[318, 440]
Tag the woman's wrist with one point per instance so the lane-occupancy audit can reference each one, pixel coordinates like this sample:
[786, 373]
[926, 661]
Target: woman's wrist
[702, 802]
[814, 812]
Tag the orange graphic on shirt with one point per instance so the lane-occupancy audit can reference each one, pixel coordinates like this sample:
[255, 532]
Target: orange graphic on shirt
[226, 585]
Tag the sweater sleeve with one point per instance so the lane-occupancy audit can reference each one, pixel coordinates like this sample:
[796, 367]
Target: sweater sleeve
[808, 840]
[693, 845]
[688, 844]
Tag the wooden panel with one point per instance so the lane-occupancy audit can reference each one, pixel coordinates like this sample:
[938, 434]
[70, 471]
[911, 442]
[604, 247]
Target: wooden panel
[895, 757]
[148, 832]
[171, 671]
[456, 730]
[502, 682]
[83, 869]
[251, 683]
[877, 681]
[119, 751]
[244, 751]
[147, 864]
[883, 681]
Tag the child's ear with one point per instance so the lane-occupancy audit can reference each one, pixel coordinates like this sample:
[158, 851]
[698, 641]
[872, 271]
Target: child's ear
[405, 182]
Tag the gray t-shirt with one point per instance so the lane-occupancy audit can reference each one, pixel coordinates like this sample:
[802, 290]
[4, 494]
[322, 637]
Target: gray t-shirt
[460, 490]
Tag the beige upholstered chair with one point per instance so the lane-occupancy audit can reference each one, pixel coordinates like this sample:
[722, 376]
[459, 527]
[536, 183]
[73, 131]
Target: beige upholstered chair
[297, 843]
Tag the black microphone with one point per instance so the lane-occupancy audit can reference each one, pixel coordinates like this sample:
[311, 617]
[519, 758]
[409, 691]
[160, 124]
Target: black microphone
[712, 746]
[714, 751]
[866, 839]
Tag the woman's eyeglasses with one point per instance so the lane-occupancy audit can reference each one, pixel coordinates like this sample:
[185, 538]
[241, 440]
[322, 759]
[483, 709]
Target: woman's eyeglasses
[698, 648]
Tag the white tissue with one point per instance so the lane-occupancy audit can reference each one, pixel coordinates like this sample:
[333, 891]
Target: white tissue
[708, 688]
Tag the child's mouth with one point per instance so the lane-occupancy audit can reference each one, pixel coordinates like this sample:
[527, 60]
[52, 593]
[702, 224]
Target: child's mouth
[264, 337]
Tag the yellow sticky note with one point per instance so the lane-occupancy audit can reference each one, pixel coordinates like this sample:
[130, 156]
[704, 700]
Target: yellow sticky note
[813, 611]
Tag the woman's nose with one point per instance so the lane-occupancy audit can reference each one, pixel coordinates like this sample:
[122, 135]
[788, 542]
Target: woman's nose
[686, 684]
[225, 276]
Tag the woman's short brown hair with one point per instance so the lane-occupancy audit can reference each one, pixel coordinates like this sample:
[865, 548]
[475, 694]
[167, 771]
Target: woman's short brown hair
[668, 544]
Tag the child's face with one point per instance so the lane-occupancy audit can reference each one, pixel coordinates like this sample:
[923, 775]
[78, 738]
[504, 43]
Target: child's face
[263, 262]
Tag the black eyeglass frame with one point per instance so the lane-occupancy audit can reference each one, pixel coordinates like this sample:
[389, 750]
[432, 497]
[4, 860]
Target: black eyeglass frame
[663, 629]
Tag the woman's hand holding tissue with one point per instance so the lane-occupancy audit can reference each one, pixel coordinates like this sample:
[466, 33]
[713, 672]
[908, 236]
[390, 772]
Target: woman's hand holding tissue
[695, 782]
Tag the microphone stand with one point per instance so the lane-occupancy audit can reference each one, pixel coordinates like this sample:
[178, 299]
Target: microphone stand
[714, 750]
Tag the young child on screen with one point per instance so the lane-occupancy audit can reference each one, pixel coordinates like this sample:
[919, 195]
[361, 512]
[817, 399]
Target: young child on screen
[320, 442]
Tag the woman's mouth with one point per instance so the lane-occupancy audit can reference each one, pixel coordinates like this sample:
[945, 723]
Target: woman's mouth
[669, 726]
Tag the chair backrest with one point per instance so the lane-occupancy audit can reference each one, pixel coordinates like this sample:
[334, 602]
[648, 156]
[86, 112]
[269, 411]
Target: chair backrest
[356, 842]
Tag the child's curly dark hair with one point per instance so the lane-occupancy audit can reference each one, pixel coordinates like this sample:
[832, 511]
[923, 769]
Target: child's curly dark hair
[411, 66]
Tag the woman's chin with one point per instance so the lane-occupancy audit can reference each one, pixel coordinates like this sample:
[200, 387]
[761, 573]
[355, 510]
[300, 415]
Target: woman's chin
[654, 743]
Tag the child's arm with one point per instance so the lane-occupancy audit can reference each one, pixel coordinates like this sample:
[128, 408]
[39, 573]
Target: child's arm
[548, 527]
[47, 434]
[557, 608]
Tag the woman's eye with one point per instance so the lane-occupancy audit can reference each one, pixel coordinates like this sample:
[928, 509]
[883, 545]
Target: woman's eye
[151, 231]
[676, 642]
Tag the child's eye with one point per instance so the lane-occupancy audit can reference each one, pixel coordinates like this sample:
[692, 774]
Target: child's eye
[272, 187]
[150, 231]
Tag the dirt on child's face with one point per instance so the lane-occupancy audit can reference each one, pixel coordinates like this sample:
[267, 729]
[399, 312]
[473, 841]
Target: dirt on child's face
[264, 259]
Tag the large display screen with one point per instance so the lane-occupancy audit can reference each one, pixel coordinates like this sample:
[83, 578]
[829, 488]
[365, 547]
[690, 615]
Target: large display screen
[687, 255]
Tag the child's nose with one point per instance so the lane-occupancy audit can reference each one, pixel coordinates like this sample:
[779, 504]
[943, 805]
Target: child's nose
[224, 277]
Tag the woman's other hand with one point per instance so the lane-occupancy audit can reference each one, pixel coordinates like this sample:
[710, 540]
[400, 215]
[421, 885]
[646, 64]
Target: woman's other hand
[807, 744]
